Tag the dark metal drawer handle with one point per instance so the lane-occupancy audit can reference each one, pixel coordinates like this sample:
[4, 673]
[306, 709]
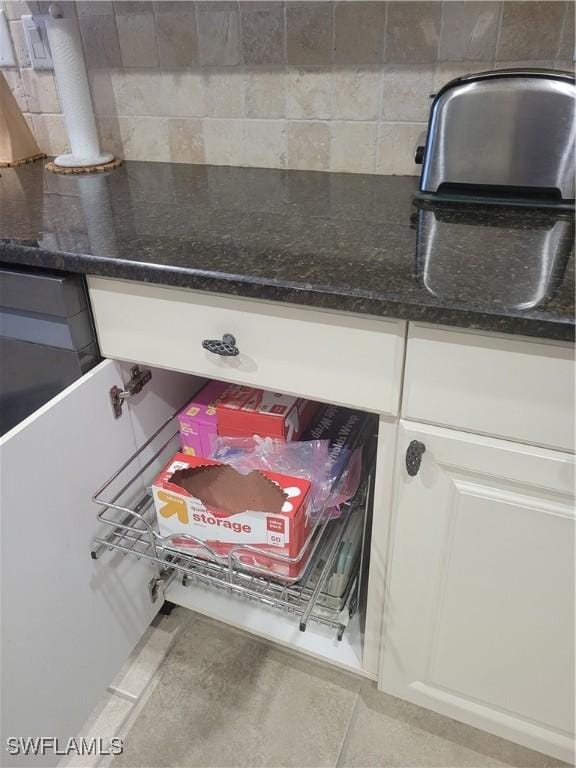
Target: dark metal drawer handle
[226, 346]
[414, 457]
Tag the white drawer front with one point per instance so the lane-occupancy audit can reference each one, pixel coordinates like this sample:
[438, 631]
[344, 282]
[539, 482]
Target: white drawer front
[507, 386]
[341, 358]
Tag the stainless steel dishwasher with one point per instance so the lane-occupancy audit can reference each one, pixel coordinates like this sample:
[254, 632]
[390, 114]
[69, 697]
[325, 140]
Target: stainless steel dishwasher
[47, 338]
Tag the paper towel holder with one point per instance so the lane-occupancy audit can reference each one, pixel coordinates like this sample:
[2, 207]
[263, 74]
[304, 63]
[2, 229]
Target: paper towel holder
[85, 155]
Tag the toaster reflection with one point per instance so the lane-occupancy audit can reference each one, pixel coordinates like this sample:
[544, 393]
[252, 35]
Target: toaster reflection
[509, 259]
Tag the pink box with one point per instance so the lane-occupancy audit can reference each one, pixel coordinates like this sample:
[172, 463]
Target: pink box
[197, 421]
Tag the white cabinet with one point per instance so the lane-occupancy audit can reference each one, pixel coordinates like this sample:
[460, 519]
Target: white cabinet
[473, 599]
[479, 615]
[493, 384]
[69, 622]
[353, 360]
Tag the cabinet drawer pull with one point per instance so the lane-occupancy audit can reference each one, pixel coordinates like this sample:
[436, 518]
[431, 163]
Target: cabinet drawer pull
[414, 457]
[225, 347]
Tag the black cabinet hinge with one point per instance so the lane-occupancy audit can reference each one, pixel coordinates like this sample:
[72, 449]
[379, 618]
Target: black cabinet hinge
[138, 379]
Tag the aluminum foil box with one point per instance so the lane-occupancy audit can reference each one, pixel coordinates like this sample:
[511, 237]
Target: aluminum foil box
[246, 411]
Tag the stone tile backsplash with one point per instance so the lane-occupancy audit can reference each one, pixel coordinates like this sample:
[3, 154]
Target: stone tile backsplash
[320, 85]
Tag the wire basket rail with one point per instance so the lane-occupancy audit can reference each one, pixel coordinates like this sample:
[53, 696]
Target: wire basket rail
[130, 527]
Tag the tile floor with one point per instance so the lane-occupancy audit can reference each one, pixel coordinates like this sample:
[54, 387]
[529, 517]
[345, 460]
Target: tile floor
[198, 694]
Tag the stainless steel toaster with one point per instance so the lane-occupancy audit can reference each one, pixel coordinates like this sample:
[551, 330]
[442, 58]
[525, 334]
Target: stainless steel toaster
[447, 238]
[504, 136]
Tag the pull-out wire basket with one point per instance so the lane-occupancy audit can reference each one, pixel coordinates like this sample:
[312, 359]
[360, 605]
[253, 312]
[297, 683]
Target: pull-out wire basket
[129, 526]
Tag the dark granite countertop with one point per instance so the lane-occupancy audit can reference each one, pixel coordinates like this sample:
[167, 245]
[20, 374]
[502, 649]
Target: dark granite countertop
[349, 242]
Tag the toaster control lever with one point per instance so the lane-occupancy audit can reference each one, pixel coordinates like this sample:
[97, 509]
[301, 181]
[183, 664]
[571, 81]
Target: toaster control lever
[419, 156]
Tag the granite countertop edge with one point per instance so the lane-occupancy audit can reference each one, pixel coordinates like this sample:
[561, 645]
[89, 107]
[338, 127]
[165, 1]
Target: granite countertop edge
[553, 328]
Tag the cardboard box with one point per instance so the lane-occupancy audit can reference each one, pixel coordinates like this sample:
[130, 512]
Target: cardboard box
[198, 422]
[216, 504]
[245, 411]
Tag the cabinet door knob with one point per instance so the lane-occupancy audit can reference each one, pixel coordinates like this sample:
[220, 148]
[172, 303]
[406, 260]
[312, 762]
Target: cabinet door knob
[414, 457]
[225, 347]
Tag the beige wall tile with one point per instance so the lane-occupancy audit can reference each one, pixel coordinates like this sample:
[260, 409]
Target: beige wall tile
[309, 32]
[150, 92]
[308, 92]
[469, 30]
[263, 33]
[406, 89]
[136, 34]
[521, 63]
[538, 63]
[308, 145]
[136, 92]
[110, 137]
[352, 147]
[16, 8]
[397, 144]
[20, 47]
[265, 93]
[530, 29]
[145, 138]
[94, 7]
[224, 92]
[67, 8]
[16, 85]
[186, 140]
[100, 40]
[412, 32]
[102, 89]
[176, 33]
[131, 7]
[185, 93]
[265, 143]
[145, 57]
[224, 141]
[40, 88]
[21, 7]
[50, 133]
[445, 71]
[566, 49]
[218, 33]
[356, 94]
[359, 34]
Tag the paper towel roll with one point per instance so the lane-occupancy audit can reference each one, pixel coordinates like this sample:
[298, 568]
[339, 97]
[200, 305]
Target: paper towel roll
[72, 82]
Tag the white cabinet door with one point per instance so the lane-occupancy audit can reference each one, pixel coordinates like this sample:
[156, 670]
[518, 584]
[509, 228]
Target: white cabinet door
[69, 622]
[479, 616]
